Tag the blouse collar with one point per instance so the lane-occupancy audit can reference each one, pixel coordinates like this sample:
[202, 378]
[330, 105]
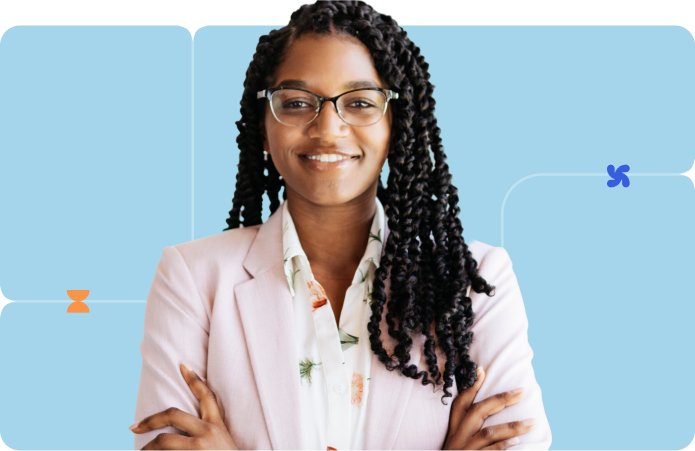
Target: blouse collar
[293, 248]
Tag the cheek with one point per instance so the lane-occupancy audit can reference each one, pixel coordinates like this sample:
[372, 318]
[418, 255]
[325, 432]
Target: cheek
[275, 136]
[282, 142]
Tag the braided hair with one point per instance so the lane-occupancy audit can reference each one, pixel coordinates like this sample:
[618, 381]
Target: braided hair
[426, 258]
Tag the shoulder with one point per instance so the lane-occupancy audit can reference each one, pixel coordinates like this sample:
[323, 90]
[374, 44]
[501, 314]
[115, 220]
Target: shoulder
[229, 246]
[214, 260]
[494, 263]
[495, 266]
[483, 252]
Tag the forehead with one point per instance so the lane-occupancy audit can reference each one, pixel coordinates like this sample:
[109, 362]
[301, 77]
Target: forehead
[327, 65]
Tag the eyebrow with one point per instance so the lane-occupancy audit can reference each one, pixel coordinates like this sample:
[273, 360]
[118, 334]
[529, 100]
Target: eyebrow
[357, 84]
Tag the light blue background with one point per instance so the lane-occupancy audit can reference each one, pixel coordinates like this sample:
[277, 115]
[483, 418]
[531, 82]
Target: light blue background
[606, 276]
[98, 120]
[95, 156]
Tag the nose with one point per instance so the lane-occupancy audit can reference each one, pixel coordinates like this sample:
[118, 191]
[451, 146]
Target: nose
[328, 125]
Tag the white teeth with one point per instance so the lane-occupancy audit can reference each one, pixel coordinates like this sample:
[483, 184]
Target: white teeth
[329, 158]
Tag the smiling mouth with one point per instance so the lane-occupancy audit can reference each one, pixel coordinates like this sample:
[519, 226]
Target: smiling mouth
[327, 158]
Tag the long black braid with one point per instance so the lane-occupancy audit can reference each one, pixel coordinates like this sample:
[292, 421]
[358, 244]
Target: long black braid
[425, 256]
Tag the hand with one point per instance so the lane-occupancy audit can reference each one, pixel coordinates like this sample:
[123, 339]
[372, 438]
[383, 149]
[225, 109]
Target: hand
[467, 418]
[207, 432]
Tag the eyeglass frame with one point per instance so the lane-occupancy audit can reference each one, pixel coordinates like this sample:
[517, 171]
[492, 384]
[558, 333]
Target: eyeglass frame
[267, 93]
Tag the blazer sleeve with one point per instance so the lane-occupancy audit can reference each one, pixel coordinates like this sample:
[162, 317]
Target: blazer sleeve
[500, 344]
[176, 330]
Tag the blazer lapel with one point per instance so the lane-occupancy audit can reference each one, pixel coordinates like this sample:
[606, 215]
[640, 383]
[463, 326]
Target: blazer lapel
[265, 308]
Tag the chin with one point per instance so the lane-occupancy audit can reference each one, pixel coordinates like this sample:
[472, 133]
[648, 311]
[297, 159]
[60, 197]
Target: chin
[331, 197]
[331, 200]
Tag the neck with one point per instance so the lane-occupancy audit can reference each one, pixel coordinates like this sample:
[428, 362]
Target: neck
[334, 237]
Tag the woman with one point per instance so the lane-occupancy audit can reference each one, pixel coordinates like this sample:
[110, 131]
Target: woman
[312, 328]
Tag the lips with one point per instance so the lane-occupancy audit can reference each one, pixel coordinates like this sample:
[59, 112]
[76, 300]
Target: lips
[328, 161]
[328, 154]
[327, 157]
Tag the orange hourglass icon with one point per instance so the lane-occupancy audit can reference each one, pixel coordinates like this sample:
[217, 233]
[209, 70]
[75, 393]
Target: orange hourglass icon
[78, 296]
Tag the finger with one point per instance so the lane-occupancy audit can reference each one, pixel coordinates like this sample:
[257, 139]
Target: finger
[500, 432]
[172, 441]
[476, 414]
[183, 421]
[209, 410]
[464, 400]
[495, 403]
[504, 445]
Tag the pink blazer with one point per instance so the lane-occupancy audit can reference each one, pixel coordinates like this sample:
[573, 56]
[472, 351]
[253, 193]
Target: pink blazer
[221, 304]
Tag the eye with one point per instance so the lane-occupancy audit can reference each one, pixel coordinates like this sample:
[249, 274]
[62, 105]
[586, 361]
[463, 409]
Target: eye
[360, 104]
[294, 104]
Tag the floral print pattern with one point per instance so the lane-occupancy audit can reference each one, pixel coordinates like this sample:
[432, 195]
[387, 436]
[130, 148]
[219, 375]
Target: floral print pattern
[363, 276]
[319, 303]
[290, 279]
[316, 294]
[369, 295]
[305, 368]
[357, 388]
[346, 340]
[333, 359]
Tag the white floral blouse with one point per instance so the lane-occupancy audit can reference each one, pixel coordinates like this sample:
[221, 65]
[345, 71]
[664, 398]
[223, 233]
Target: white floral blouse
[334, 359]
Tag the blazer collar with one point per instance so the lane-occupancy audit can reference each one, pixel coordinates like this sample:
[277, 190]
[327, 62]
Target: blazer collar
[265, 308]
[266, 249]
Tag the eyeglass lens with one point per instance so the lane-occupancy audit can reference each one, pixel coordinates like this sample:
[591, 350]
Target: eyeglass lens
[294, 107]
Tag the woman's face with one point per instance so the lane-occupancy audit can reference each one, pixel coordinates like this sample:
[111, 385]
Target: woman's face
[327, 65]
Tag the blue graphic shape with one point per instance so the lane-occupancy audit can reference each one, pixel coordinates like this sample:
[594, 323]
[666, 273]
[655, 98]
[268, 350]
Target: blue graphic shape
[552, 250]
[618, 176]
[114, 155]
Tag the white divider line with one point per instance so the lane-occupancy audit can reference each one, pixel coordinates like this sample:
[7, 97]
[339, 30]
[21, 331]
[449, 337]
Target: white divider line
[4, 301]
[192, 143]
[85, 301]
[690, 174]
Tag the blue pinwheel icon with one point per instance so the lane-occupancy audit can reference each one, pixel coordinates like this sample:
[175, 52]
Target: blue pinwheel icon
[618, 176]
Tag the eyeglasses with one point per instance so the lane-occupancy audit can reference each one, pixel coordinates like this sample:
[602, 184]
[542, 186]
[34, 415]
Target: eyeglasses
[297, 107]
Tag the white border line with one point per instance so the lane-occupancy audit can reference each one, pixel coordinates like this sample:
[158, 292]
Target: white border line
[195, 14]
[690, 174]
[192, 143]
